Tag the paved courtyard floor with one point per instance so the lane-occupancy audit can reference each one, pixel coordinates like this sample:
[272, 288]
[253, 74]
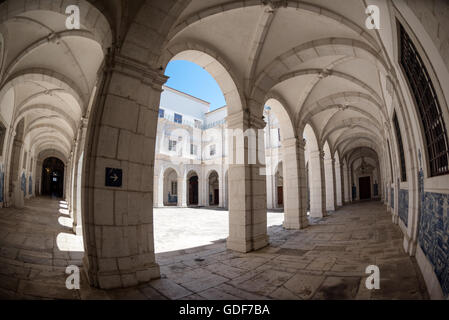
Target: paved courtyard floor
[324, 261]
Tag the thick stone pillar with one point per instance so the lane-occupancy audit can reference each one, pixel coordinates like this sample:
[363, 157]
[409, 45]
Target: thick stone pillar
[68, 181]
[271, 175]
[295, 192]
[203, 196]
[339, 184]
[247, 185]
[118, 219]
[346, 182]
[77, 184]
[330, 184]
[158, 191]
[317, 184]
[14, 191]
[221, 194]
[182, 192]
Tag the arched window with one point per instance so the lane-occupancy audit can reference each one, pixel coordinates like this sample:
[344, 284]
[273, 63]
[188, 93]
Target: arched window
[427, 103]
[401, 147]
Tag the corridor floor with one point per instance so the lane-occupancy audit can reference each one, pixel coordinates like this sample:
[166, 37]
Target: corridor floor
[325, 261]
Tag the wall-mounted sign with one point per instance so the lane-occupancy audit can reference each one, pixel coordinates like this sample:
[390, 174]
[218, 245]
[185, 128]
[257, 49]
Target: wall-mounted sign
[113, 177]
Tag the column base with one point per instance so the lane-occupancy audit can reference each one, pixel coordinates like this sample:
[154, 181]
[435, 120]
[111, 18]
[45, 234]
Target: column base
[248, 245]
[409, 245]
[123, 278]
[295, 225]
[318, 214]
[395, 219]
[78, 230]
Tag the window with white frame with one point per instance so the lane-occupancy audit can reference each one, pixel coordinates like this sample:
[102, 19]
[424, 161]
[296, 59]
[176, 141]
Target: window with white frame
[172, 145]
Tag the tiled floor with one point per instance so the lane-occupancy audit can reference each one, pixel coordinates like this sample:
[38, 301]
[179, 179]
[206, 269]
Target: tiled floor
[325, 261]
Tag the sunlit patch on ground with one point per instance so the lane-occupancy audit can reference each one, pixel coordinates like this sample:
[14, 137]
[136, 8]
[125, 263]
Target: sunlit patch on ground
[69, 242]
[65, 222]
[182, 228]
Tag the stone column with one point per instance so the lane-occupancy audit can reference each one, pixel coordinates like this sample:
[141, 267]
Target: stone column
[330, 184]
[77, 185]
[15, 194]
[247, 185]
[317, 184]
[158, 191]
[270, 185]
[203, 196]
[346, 181]
[182, 192]
[68, 181]
[221, 203]
[339, 184]
[295, 199]
[118, 220]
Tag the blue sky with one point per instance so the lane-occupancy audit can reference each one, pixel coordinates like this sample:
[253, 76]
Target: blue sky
[190, 78]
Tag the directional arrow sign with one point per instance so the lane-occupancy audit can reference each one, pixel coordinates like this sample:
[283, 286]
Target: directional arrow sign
[113, 177]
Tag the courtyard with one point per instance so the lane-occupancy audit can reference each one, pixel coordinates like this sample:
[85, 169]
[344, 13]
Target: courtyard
[182, 228]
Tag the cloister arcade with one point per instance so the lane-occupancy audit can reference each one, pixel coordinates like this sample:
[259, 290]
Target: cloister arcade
[351, 125]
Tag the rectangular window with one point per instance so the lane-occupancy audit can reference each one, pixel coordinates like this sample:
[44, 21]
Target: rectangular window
[397, 130]
[171, 145]
[212, 150]
[174, 187]
[193, 149]
[161, 113]
[198, 124]
[178, 118]
[427, 104]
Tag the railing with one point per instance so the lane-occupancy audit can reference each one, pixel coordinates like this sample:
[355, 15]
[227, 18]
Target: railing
[214, 124]
[203, 126]
[171, 118]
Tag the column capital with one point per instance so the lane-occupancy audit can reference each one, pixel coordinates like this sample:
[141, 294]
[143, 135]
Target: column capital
[318, 153]
[290, 142]
[116, 62]
[245, 119]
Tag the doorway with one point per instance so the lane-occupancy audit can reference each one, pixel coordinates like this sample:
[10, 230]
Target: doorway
[193, 191]
[53, 178]
[280, 196]
[365, 188]
[213, 189]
